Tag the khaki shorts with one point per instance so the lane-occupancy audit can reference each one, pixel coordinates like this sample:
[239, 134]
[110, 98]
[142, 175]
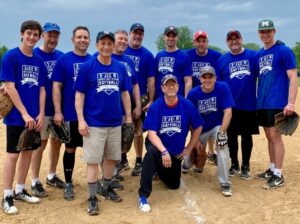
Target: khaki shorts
[45, 133]
[102, 143]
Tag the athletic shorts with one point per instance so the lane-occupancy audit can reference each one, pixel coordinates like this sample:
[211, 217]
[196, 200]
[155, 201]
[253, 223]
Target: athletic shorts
[243, 123]
[12, 138]
[45, 133]
[102, 143]
[266, 118]
[76, 137]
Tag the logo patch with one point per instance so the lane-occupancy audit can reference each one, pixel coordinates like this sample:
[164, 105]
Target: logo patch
[107, 82]
[170, 125]
[50, 66]
[239, 69]
[196, 67]
[166, 65]
[208, 105]
[265, 64]
[30, 75]
[76, 67]
[136, 62]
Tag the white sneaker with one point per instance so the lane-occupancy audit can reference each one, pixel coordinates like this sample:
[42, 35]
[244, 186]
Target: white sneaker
[8, 205]
[24, 196]
[226, 191]
[144, 205]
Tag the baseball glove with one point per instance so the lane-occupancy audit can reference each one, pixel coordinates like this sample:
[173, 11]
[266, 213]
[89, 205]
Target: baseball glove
[127, 136]
[198, 158]
[59, 132]
[28, 140]
[221, 142]
[144, 100]
[5, 103]
[286, 125]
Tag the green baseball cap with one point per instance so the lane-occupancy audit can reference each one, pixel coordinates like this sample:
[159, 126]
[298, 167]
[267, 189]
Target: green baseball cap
[266, 24]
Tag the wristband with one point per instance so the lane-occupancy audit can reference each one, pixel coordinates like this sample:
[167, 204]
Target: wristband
[163, 153]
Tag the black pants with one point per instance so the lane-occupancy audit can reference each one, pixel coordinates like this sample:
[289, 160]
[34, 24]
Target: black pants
[152, 163]
[246, 144]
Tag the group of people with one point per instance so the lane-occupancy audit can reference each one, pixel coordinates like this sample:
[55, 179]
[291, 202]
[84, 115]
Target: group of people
[214, 96]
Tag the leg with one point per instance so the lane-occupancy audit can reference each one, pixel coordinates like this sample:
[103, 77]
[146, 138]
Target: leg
[54, 154]
[233, 149]
[23, 166]
[36, 160]
[247, 144]
[69, 163]
[171, 176]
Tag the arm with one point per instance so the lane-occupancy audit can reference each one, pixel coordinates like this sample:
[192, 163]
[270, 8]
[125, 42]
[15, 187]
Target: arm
[127, 106]
[151, 92]
[56, 95]
[79, 103]
[226, 119]
[15, 98]
[40, 118]
[293, 89]
[187, 85]
[192, 143]
[137, 99]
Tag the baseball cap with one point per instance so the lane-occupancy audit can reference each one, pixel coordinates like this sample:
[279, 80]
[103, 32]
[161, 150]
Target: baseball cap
[171, 29]
[103, 34]
[200, 34]
[266, 24]
[207, 70]
[236, 32]
[136, 26]
[167, 78]
[51, 27]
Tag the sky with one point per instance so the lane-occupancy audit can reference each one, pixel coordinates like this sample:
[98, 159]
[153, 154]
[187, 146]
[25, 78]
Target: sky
[216, 17]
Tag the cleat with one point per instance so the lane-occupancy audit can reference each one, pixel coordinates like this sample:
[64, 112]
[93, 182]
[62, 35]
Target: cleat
[38, 190]
[25, 196]
[8, 205]
[226, 191]
[93, 208]
[144, 205]
[69, 192]
[137, 169]
[55, 182]
[274, 182]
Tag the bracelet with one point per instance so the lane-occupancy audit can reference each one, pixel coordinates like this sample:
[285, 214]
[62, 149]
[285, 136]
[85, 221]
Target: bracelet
[163, 153]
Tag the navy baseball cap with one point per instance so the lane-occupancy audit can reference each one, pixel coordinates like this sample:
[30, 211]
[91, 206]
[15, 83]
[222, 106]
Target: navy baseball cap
[171, 29]
[236, 32]
[103, 34]
[168, 77]
[51, 27]
[207, 70]
[137, 26]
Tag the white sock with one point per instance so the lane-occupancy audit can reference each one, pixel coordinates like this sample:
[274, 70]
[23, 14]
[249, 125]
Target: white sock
[19, 188]
[272, 167]
[8, 192]
[278, 172]
[50, 176]
[33, 181]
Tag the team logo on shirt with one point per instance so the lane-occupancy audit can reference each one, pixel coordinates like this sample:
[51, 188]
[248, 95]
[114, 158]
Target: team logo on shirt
[166, 65]
[30, 75]
[136, 61]
[239, 69]
[107, 82]
[208, 105]
[76, 67]
[170, 125]
[50, 66]
[128, 70]
[265, 64]
[196, 67]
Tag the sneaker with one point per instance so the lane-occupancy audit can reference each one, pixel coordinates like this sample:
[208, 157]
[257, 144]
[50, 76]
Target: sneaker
[8, 205]
[38, 190]
[264, 175]
[137, 169]
[110, 194]
[233, 170]
[226, 191]
[25, 196]
[144, 205]
[118, 176]
[274, 182]
[122, 166]
[56, 182]
[69, 191]
[245, 172]
[93, 208]
[197, 170]
[184, 169]
[115, 184]
[212, 158]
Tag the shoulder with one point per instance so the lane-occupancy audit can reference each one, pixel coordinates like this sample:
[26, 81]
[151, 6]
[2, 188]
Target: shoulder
[214, 52]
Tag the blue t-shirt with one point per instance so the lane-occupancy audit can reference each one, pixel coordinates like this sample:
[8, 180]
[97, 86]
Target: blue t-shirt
[28, 74]
[102, 86]
[177, 63]
[211, 105]
[143, 61]
[172, 124]
[240, 73]
[49, 61]
[65, 72]
[210, 59]
[273, 82]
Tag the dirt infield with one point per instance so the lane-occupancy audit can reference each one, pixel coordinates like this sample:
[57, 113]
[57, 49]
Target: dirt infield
[197, 201]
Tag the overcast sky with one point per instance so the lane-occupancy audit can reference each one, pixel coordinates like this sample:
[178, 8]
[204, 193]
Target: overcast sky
[216, 17]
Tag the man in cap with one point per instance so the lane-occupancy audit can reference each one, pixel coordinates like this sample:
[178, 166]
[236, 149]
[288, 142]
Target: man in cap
[202, 56]
[175, 61]
[238, 69]
[101, 93]
[214, 102]
[277, 92]
[48, 52]
[144, 67]
[167, 122]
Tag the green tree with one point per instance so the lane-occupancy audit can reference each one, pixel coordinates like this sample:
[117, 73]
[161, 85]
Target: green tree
[185, 40]
[252, 46]
[216, 48]
[3, 49]
[296, 50]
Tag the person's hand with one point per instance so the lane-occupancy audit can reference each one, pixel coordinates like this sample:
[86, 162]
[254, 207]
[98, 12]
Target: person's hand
[83, 128]
[29, 121]
[166, 159]
[58, 118]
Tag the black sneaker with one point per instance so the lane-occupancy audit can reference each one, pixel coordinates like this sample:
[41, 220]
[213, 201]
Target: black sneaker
[274, 182]
[245, 172]
[212, 158]
[56, 182]
[38, 190]
[118, 176]
[93, 208]
[264, 175]
[233, 170]
[110, 194]
[122, 166]
[69, 192]
[8, 205]
[115, 184]
[137, 169]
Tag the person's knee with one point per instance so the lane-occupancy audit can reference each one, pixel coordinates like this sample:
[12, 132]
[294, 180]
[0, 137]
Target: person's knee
[174, 185]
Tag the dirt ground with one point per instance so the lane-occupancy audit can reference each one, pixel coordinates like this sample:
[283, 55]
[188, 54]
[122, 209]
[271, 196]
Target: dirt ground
[197, 201]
